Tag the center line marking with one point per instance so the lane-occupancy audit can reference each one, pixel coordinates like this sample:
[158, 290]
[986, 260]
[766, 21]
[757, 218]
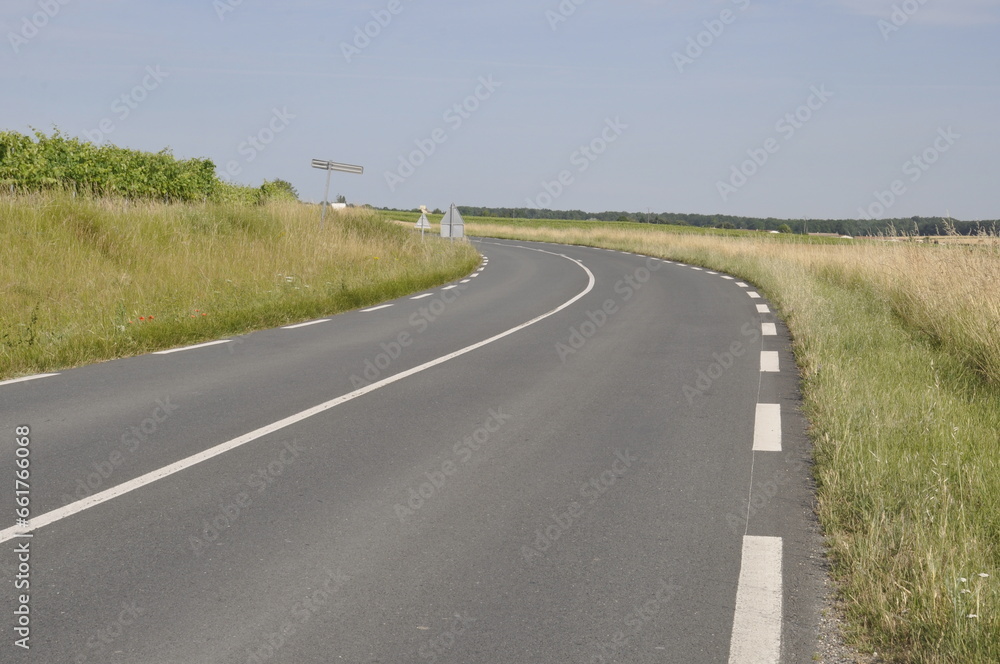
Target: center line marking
[27, 378]
[65, 511]
[767, 428]
[756, 635]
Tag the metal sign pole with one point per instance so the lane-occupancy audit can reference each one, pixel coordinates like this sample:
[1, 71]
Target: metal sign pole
[330, 167]
[326, 197]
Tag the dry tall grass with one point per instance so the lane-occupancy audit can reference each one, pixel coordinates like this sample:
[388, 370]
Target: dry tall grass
[84, 280]
[898, 349]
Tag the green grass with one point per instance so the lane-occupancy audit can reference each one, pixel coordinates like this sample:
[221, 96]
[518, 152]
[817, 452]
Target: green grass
[898, 349]
[85, 280]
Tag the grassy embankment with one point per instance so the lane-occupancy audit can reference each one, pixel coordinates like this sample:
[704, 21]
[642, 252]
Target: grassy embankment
[83, 280]
[899, 349]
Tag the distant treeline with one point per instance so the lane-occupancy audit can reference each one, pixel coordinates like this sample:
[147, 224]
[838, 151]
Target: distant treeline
[852, 227]
[59, 162]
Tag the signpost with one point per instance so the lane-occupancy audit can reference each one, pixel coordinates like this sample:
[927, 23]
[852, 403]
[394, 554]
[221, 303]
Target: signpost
[453, 225]
[329, 167]
[423, 224]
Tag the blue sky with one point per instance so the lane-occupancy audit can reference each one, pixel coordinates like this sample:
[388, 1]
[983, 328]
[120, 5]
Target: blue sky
[781, 108]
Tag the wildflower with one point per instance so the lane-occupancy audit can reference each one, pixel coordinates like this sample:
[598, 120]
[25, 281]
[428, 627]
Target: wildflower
[972, 615]
[142, 318]
[984, 575]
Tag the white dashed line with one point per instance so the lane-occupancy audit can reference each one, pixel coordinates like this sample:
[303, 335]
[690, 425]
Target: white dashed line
[727, 277]
[449, 287]
[710, 272]
[312, 322]
[180, 350]
[473, 276]
[420, 297]
[742, 285]
[60, 513]
[384, 306]
[25, 379]
[769, 361]
[697, 268]
[767, 428]
[756, 635]
[763, 309]
[769, 329]
[465, 281]
[754, 294]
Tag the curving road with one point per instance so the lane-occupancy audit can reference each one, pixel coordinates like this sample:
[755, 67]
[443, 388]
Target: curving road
[575, 455]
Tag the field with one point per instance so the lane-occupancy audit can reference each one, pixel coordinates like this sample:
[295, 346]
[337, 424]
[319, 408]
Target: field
[89, 279]
[898, 345]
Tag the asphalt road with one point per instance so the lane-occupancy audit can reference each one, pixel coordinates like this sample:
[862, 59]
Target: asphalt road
[383, 486]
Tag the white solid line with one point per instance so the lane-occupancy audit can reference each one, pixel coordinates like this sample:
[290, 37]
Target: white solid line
[178, 350]
[754, 294]
[769, 329]
[141, 481]
[384, 306]
[727, 277]
[769, 361]
[767, 428]
[312, 322]
[25, 379]
[756, 635]
[420, 297]
[742, 285]
[763, 309]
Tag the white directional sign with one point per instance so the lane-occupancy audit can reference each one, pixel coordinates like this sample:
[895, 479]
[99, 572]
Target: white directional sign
[335, 166]
[422, 223]
[329, 167]
[452, 225]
